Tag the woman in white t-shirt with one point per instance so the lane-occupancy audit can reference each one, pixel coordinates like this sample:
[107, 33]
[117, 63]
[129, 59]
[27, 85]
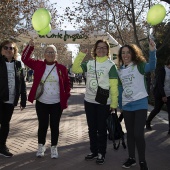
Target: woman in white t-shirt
[12, 87]
[52, 102]
[133, 101]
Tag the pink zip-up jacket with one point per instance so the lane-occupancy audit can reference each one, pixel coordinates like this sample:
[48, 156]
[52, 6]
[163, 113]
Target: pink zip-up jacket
[39, 67]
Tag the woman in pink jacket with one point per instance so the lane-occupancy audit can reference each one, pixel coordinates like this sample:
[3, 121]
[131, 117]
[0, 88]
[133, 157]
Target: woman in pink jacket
[50, 104]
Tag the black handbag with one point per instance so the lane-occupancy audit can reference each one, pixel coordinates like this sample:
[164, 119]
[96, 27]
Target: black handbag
[102, 94]
[115, 132]
[40, 88]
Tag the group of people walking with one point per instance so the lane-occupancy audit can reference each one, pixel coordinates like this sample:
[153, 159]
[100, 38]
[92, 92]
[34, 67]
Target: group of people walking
[124, 82]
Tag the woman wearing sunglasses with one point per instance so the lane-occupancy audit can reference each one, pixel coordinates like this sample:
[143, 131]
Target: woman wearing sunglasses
[12, 86]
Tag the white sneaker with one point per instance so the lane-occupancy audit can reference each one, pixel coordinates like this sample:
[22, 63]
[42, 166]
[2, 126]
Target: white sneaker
[41, 150]
[54, 152]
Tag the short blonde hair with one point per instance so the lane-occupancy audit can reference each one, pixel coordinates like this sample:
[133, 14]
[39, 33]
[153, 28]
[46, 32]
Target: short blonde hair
[51, 46]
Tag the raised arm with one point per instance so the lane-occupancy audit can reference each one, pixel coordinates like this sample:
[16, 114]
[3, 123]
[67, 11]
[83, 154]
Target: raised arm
[76, 68]
[151, 65]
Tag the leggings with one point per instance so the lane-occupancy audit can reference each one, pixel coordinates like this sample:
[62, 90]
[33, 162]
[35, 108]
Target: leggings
[6, 111]
[135, 123]
[48, 113]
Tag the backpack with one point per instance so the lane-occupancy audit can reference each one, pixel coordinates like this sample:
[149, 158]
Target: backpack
[115, 132]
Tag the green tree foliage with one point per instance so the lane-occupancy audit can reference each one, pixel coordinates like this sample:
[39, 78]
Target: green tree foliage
[15, 16]
[162, 38]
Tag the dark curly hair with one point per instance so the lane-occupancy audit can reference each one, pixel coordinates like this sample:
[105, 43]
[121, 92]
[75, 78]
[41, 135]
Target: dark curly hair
[10, 42]
[136, 53]
[95, 46]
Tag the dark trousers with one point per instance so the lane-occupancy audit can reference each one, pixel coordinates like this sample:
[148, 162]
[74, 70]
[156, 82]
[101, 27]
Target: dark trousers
[135, 123]
[6, 111]
[96, 115]
[48, 113]
[157, 107]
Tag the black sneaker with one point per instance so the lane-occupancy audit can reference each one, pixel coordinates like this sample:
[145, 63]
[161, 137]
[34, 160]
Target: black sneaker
[130, 162]
[143, 166]
[100, 159]
[148, 126]
[5, 152]
[91, 156]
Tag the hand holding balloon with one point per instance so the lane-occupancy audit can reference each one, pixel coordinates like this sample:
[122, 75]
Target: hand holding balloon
[31, 42]
[152, 45]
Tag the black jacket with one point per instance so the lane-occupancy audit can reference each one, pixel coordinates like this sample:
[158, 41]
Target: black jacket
[20, 86]
[159, 87]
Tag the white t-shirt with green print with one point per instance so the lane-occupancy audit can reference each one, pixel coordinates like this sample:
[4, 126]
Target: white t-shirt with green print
[133, 83]
[104, 72]
[51, 93]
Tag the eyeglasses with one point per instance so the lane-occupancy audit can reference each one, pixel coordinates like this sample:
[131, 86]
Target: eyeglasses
[101, 48]
[6, 48]
[50, 52]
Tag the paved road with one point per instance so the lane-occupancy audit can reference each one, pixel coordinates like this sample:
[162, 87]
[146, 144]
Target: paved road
[74, 143]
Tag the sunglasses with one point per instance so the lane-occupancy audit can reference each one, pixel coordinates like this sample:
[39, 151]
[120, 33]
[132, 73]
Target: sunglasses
[50, 52]
[6, 48]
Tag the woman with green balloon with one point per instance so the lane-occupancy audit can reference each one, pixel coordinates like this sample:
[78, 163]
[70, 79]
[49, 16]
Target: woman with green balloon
[53, 99]
[133, 101]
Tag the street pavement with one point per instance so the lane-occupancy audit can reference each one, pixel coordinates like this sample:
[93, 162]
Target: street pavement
[74, 142]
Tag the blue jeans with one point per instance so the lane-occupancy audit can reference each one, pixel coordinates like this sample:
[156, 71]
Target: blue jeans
[96, 115]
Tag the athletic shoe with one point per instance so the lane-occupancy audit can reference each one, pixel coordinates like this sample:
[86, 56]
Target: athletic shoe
[91, 156]
[54, 152]
[4, 151]
[143, 166]
[130, 162]
[100, 159]
[41, 150]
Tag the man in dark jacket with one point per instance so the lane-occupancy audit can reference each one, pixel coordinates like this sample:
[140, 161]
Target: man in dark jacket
[12, 86]
[161, 94]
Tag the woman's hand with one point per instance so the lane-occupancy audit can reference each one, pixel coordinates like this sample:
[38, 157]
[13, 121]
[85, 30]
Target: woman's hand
[152, 45]
[113, 109]
[31, 42]
[164, 99]
[84, 50]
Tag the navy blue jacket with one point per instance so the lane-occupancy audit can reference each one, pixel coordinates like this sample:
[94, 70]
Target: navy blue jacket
[159, 86]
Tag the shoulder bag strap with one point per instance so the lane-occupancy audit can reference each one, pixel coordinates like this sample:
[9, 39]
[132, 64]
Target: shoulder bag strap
[96, 72]
[49, 74]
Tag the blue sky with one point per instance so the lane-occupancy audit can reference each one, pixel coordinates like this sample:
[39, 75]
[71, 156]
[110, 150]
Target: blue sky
[60, 6]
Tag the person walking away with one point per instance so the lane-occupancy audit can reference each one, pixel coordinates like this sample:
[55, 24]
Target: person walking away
[50, 105]
[71, 76]
[133, 101]
[161, 94]
[101, 71]
[12, 87]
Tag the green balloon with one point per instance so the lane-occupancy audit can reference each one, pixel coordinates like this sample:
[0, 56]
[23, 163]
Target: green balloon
[45, 31]
[156, 14]
[41, 19]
